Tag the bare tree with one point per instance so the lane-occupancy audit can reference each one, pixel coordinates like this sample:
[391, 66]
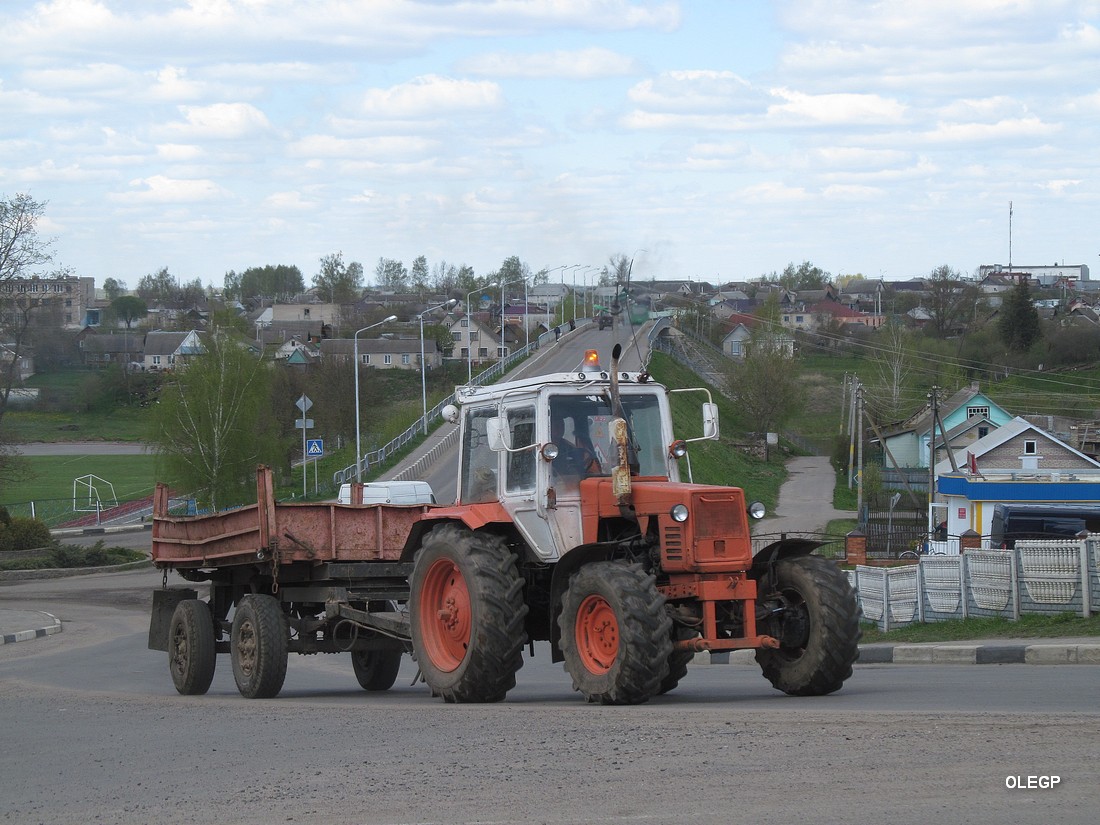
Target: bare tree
[21, 250]
[894, 361]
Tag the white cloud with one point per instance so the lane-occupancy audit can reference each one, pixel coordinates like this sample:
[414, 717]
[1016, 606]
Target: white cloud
[161, 189]
[582, 64]
[431, 96]
[834, 109]
[221, 121]
[288, 201]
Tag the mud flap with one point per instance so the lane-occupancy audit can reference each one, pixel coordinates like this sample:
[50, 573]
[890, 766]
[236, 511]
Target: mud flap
[160, 620]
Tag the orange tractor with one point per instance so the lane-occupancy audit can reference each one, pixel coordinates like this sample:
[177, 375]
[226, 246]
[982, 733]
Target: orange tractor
[571, 525]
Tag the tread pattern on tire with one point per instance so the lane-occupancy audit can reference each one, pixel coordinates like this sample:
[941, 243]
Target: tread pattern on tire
[495, 652]
[192, 676]
[834, 632]
[645, 633]
[272, 641]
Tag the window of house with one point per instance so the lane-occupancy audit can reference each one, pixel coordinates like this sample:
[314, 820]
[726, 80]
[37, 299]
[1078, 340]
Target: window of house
[305, 312]
[387, 359]
[735, 347]
[465, 322]
[156, 360]
[405, 358]
[364, 358]
[983, 432]
[482, 352]
[473, 336]
[465, 352]
[982, 412]
[1030, 447]
[456, 336]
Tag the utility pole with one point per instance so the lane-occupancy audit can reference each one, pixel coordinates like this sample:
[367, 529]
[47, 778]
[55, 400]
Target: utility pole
[859, 435]
[852, 430]
[843, 397]
[934, 401]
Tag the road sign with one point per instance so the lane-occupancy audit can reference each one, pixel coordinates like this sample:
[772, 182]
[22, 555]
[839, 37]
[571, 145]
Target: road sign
[303, 404]
[315, 447]
[303, 423]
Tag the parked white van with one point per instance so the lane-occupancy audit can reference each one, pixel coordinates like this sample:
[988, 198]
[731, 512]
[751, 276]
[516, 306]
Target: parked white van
[391, 492]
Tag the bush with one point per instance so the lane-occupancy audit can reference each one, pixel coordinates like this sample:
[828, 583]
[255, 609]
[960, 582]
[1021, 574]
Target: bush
[5, 539]
[28, 534]
[5, 516]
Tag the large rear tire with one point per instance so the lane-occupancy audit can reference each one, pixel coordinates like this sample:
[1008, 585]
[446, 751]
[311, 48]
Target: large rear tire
[815, 615]
[258, 646]
[467, 611]
[615, 634]
[192, 650]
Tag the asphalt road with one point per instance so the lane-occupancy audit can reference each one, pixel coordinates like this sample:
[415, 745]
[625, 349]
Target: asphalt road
[94, 731]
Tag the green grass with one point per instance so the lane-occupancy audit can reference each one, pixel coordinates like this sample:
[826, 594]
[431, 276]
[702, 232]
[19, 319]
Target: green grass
[1028, 627]
[70, 555]
[716, 462]
[123, 424]
[133, 476]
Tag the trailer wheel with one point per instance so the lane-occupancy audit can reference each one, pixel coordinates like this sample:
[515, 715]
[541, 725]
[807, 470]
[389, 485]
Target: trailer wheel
[376, 669]
[467, 611]
[815, 616]
[259, 645]
[192, 652]
[615, 635]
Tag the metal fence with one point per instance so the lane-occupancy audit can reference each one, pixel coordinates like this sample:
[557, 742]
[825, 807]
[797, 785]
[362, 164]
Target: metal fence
[1037, 577]
[67, 513]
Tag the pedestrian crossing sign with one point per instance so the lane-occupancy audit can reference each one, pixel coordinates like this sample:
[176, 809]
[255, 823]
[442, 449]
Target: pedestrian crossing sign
[315, 447]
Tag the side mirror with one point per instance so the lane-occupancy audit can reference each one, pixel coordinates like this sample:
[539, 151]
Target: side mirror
[450, 414]
[498, 434]
[710, 420]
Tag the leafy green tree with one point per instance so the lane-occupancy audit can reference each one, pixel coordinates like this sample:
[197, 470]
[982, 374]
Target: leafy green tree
[765, 384]
[1018, 321]
[950, 301]
[280, 282]
[215, 423]
[157, 287]
[391, 275]
[129, 308]
[804, 276]
[113, 288]
[342, 283]
[418, 275]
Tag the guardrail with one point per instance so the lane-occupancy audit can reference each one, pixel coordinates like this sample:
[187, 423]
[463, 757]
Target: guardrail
[376, 457]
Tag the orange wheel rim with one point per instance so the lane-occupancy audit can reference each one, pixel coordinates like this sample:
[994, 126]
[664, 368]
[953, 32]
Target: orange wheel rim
[597, 634]
[444, 615]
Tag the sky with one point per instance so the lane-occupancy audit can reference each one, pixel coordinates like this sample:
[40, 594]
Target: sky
[716, 140]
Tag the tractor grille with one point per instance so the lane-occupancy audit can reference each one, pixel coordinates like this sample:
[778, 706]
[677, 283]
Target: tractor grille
[719, 515]
[674, 543]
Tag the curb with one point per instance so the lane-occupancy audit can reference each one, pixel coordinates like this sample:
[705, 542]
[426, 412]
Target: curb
[48, 629]
[1038, 653]
[65, 572]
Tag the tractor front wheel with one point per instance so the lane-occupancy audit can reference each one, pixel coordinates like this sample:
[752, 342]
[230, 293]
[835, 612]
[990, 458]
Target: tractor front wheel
[467, 611]
[814, 614]
[615, 634]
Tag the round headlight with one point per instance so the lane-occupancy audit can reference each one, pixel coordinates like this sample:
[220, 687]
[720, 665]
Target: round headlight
[549, 451]
[679, 512]
[678, 449]
[756, 509]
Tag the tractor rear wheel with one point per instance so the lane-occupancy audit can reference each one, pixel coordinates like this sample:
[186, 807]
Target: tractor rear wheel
[815, 616]
[678, 660]
[258, 646]
[467, 611]
[615, 634]
[192, 651]
[376, 669]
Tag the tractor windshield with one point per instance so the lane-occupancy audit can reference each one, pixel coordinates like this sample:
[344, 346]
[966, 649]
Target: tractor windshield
[581, 428]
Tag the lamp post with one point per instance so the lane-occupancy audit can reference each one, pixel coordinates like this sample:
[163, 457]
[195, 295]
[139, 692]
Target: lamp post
[469, 332]
[574, 267]
[502, 319]
[424, 364]
[355, 346]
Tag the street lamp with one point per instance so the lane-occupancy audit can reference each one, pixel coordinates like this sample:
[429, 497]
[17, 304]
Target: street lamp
[423, 363]
[502, 319]
[355, 346]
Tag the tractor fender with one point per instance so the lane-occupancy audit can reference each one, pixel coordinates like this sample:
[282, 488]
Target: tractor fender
[785, 548]
[473, 516]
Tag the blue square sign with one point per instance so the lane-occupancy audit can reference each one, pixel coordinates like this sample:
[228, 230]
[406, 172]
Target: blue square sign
[315, 448]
